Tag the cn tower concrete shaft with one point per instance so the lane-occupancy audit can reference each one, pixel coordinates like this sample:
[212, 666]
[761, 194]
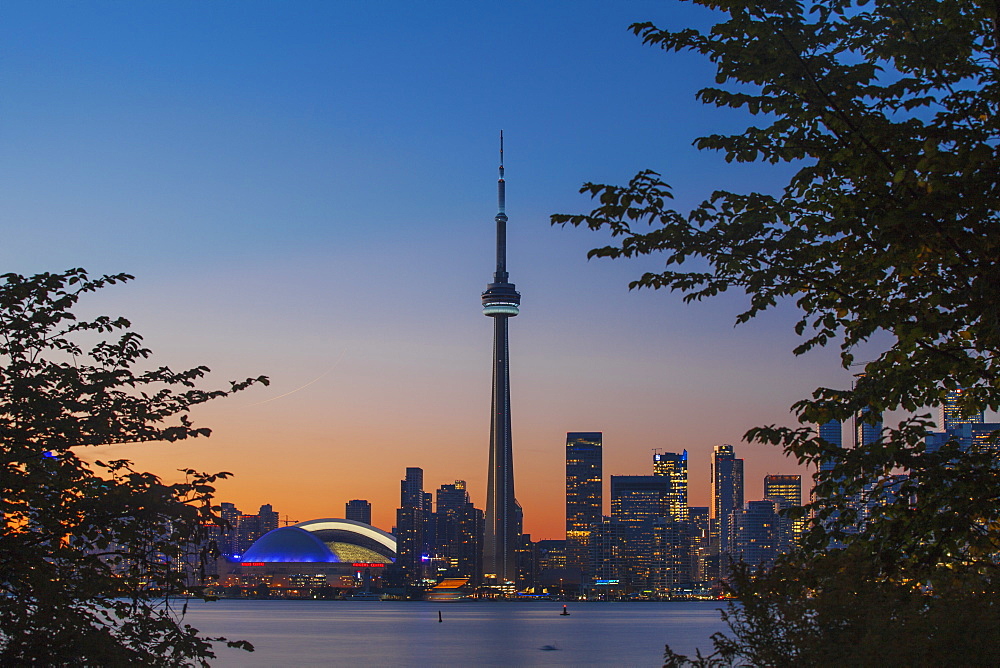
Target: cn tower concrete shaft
[503, 521]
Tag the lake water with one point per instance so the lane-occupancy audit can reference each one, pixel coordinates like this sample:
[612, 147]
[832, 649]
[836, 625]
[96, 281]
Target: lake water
[359, 633]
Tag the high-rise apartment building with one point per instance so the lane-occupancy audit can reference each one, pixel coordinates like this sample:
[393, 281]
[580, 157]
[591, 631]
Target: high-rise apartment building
[358, 510]
[229, 542]
[727, 494]
[411, 525]
[501, 303]
[411, 489]
[268, 518]
[671, 557]
[239, 530]
[584, 494]
[458, 530]
[675, 467]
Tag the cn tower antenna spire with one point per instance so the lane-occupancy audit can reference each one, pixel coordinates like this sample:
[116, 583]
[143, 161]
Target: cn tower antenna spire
[501, 194]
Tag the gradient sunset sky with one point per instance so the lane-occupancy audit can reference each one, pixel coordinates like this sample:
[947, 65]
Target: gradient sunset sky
[306, 190]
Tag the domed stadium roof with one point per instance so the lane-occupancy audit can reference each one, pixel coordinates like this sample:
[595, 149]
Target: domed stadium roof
[324, 541]
[289, 544]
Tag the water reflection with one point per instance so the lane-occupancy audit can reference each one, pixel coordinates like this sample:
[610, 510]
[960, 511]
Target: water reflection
[342, 633]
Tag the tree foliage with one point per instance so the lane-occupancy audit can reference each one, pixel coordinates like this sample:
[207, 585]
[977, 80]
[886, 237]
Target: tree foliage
[888, 112]
[93, 555]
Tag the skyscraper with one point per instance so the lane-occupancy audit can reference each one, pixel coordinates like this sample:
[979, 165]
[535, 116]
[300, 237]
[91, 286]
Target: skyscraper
[756, 537]
[954, 414]
[832, 433]
[500, 302]
[787, 491]
[638, 504]
[411, 488]
[358, 510]
[966, 426]
[268, 518]
[229, 544]
[584, 493]
[411, 525]
[458, 527]
[727, 493]
[867, 427]
[867, 424]
[787, 487]
[675, 467]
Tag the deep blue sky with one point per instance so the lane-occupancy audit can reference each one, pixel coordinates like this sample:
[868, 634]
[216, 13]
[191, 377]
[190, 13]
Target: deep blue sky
[306, 190]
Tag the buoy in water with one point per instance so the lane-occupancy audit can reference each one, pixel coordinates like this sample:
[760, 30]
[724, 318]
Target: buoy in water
[565, 612]
[439, 617]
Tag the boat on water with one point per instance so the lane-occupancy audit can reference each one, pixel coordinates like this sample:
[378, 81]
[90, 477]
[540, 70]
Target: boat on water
[448, 590]
[364, 596]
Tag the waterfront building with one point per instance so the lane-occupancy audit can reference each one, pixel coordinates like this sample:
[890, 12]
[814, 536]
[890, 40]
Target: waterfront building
[411, 526]
[671, 556]
[315, 558]
[637, 503]
[458, 530]
[675, 467]
[526, 557]
[727, 494]
[359, 510]
[608, 574]
[550, 555]
[584, 494]
[500, 302]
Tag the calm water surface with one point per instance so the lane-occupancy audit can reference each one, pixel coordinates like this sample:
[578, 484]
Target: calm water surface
[361, 633]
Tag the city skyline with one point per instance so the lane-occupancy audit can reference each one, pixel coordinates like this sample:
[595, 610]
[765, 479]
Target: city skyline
[303, 190]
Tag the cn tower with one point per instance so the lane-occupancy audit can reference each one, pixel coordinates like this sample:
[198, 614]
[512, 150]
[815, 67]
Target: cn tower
[503, 521]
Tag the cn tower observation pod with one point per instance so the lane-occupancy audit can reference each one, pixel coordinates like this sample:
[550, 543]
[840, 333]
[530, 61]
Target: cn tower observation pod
[501, 299]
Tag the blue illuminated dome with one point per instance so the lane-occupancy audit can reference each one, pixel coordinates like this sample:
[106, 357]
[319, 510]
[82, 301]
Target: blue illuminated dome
[323, 541]
[289, 544]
